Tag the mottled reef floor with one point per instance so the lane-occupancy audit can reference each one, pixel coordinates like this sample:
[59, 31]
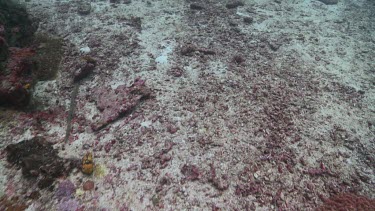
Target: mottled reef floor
[203, 105]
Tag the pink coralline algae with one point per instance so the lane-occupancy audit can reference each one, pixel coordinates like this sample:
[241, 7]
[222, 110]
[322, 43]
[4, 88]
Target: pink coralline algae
[65, 190]
[322, 170]
[69, 205]
[191, 172]
[119, 102]
[16, 80]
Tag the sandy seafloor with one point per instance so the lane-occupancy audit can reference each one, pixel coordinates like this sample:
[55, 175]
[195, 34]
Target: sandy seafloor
[245, 113]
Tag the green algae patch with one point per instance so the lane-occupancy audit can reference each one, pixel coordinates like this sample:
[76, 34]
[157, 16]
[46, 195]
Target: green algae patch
[48, 56]
[100, 171]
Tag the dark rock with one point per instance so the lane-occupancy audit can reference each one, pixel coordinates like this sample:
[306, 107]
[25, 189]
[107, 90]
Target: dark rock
[4, 51]
[172, 129]
[248, 20]
[329, 2]
[85, 68]
[234, 5]
[63, 7]
[362, 92]
[135, 22]
[34, 195]
[196, 7]
[176, 72]
[38, 159]
[45, 182]
[274, 45]
[14, 96]
[84, 8]
[127, 1]
[206, 51]
[88, 185]
[188, 50]
[233, 24]
[238, 59]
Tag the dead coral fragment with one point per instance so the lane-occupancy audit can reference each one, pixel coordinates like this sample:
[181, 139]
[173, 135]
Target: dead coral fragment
[88, 164]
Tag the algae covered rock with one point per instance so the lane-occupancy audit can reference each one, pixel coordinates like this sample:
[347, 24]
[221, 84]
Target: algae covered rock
[24, 57]
[39, 160]
[18, 27]
[16, 30]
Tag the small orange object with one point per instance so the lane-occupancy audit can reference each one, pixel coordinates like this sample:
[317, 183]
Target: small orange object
[87, 163]
[27, 86]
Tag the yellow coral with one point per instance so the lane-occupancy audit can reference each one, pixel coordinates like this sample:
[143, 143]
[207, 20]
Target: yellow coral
[27, 86]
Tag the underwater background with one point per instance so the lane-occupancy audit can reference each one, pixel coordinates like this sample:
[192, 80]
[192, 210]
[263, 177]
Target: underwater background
[187, 105]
